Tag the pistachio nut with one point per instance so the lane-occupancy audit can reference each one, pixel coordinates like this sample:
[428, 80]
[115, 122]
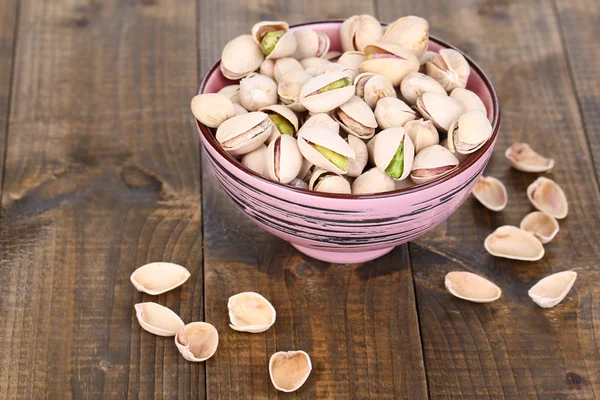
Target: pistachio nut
[459, 157]
[392, 112]
[541, 225]
[371, 148]
[390, 60]
[289, 370]
[256, 160]
[406, 183]
[431, 163]
[357, 165]
[325, 149]
[442, 110]
[410, 32]
[257, 91]
[159, 277]
[426, 57]
[240, 57]
[284, 65]
[158, 319]
[450, 68]
[469, 100]
[422, 133]
[356, 118]
[333, 67]
[547, 196]
[514, 243]
[289, 88]
[274, 38]
[310, 44]
[197, 341]
[266, 68]
[415, 84]
[299, 184]
[358, 31]
[232, 92]
[325, 181]
[351, 59]
[373, 181]
[394, 153]
[238, 109]
[552, 289]
[285, 121]
[323, 120]
[283, 159]
[250, 312]
[522, 157]
[372, 87]
[326, 92]
[313, 62]
[211, 109]
[333, 56]
[243, 133]
[469, 133]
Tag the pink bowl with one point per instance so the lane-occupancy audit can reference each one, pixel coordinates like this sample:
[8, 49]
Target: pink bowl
[348, 228]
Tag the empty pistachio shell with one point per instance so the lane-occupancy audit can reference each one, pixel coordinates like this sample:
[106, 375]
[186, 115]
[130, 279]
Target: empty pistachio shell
[289, 370]
[390, 60]
[256, 160]
[212, 109]
[328, 182]
[491, 193]
[450, 68]
[422, 133]
[431, 163]
[232, 92]
[358, 31]
[351, 59]
[415, 84]
[471, 287]
[469, 133]
[313, 62]
[514, 243]
[158, 319]
[326, 92]
[197, 341]
[547, 196]
[541, 225]
[410, 32]
[240, 57]
[522, 157]
[250, 312]
[394, 153]
[310, 44]
[289, 88]
[159, 277]
[325, 149]
[283, 159]
[469, 100]
[274, 39]
[356, 118]
[392, 112]
[284, 65]
[439, 108]
[323, 120]
[243, 133]
[373, 181]
[357, 165]
[551, 290]
[285, 121]
[372, 87]
[267, 68]
[257, 91]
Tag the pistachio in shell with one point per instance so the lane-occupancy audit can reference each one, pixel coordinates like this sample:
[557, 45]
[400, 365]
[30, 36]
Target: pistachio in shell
[274, 38]
[211, 109]
[373, 181]
[410, 32]
[333, 55]
[323, 120]
[325, 149]
[284, 65]
[232, 92]
[392, 112]
[415, 84]
[439, 108]
[422, 133]
[243, 133]
[469, 100]
[325, 181]
[326, 92]
[285, 121]
[356, 118]
[267, 68]
[358, 31]
[283, 159]
[394, 153]
[256, 160]
[333, 67]
[357, 165]
[431, 163]
[238, 109]
[424, 58]
[351, 59]
[240, 57]
[313, 62]
[390, 60]
[372, 87]
[450, 68]
[310, 44]
[257, 91]
[289, 88]
[469, 133]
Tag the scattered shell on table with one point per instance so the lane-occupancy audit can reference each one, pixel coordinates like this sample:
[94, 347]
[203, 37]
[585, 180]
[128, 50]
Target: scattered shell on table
[357, 165]
[289, 370]
[372, 87]
[284, 159]
[250, 312]
[232, 92]
[243, 133]
[389, 60]
[394, 153]
[552, 289]
[256, 160]
[469, 100]
[326, 92]
[491, 193]
[522, 157]
[274, 39]
[514, 243]
[356, 118]
[547, 196]
[311, 44]
[422, 133]
[257, 91]
[431, 163]
[358, 31]
[328, 182]
[158, 319]
[410, 32]
[240, 57]
[197, 341]
[543, 226]
[212, 109]
[159, 277]
[373, 181]
[450, 68]
[392, 112]
[439, 108]
[325, 149]
[415, 84]
[471, 287]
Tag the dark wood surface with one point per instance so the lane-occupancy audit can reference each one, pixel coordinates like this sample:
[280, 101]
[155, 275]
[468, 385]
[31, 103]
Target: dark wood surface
[102, 173]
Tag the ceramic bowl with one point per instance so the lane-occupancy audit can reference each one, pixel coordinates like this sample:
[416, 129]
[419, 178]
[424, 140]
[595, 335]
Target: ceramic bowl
[347, 228]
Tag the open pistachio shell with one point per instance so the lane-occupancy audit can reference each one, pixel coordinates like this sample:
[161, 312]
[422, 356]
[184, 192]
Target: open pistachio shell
[357, 165]
[469, 133]
[305, 171]
[471, 287]
[289, 88]
[491, 193]
[283, 159]
[439, 108]
[431, 163]
[197, 341]
[285, 121]
[358, 31]
[356, 118]
[313, 62]
[351, 59]
[323, 120]
[159, 277]
[250, 312]
[547, 196]
[424, 58]
[328, 182]
[243, 133]
[211, 109]
[372, 87]
[158, 319]
[289, 370]
[415, 84]
[274, 39]
[514, 243]
[284, 65]
[522, 157]
[326, 92]
[240, 57]
[232, 92]
[392, 112]
[310, 44]
[450, 69]
[551, 290]
[410, 32]
[256, 160]
[460, 157]
[373, 181]
[333, 56]
[469, 100]
[257, 91]
[422, 133]
[543, 226]
[394, 153]
[390, 60]
[325, 149]
[333, 67]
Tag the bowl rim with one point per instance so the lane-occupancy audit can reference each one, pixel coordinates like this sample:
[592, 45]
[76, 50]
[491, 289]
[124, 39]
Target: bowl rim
[462, 167]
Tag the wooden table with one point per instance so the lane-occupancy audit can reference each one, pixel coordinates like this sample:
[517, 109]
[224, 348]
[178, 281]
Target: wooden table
[102, 173]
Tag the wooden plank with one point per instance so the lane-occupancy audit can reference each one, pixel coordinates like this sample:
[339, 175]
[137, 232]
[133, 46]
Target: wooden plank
[102, 176]
[357, 322]
[512, 348]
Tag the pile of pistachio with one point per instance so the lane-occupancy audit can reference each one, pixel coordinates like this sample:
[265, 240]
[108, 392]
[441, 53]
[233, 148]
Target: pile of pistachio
[383, 115]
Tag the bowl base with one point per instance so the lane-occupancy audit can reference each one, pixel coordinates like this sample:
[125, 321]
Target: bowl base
[343, 257]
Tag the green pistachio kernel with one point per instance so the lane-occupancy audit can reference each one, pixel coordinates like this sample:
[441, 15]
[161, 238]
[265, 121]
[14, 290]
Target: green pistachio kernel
[337, 159]
[340, 83]
[396, 166]
[368, 57]
[270, 40]
[284, 126]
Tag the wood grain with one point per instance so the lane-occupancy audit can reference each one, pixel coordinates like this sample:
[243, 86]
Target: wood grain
[357, 322]
[512, 348]
[102, 176]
